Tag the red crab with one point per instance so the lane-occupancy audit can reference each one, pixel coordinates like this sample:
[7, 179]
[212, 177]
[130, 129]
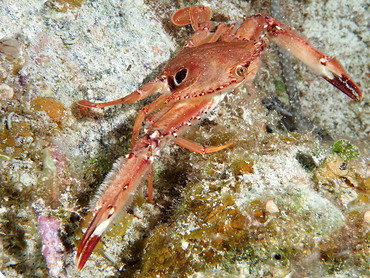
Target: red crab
[214, 61]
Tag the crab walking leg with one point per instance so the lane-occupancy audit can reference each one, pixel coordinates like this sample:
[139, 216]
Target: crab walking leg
[198, 148]
[221, 29]
[194, 15]
[150, 88]
[198, 17]
[117, 192]
[250, 29]
[150, 184]
[127, 174]
[122, 182]
[327, 67]
[157, 104]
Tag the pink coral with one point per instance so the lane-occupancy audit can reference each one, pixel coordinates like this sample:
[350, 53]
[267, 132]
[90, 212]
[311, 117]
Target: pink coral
[52, 248]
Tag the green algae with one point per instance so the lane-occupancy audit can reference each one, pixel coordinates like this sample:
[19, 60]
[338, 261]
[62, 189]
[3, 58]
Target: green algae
[345, 150]
[279, 86]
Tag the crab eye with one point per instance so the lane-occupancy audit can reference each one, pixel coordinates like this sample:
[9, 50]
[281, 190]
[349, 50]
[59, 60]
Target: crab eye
[180, 76]
[240, 71]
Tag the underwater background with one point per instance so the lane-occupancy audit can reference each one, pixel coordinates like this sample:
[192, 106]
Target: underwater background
[282, 201]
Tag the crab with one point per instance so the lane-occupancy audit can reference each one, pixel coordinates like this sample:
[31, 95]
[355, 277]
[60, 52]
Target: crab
[213, 61]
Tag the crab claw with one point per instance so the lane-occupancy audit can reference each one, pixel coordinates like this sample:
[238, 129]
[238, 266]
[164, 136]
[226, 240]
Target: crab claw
[327, 67]
[333, 72]
[117, 191]
[102, 220]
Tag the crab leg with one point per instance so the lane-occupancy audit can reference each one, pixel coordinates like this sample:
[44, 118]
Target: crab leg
[150, 184]
[221, 29]
[158, 85]
[119, 188]
[327, 67]
[249, 30]
[198, 148]
[122, 182]
[198, 17]
[194, 15]
[150, 88]
[157, 104]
